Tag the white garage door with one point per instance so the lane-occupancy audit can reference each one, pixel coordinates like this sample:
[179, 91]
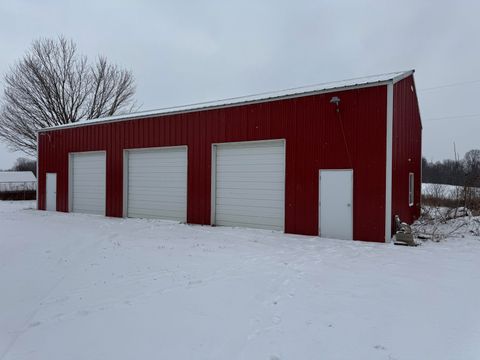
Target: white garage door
[87, 182]
[250, 183]
[157, 183]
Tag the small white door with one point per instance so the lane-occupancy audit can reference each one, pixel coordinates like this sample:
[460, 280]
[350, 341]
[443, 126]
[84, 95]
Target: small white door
[51, 198]
[336, 204]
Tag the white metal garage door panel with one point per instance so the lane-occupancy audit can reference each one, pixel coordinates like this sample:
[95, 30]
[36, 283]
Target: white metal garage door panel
[88, 183]
[250, 183]
[157, 183]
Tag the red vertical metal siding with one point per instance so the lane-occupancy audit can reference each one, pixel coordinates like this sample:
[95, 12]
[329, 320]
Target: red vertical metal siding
[314, 140]
[407, 150]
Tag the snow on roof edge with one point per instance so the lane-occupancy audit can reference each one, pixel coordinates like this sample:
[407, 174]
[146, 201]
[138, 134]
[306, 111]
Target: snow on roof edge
[307, 90]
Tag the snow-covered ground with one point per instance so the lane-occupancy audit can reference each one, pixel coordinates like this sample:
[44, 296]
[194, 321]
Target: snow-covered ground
[442, 223]
[76, 286]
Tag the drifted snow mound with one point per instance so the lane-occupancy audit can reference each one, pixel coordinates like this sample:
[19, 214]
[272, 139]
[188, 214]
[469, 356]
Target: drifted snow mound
[440, 223]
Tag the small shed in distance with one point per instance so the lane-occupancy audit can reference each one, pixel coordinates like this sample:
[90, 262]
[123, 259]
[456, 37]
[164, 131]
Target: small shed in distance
[17, 185]
[338, 160]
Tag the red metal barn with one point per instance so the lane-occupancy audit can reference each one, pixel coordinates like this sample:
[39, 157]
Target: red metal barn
[338, 160]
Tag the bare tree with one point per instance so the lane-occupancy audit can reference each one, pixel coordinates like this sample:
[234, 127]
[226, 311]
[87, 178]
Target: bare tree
[23, 164]
[471, 165]
[54, 85]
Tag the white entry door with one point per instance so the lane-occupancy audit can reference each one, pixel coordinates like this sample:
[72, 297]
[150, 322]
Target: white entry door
[51, 203]
[336, 204]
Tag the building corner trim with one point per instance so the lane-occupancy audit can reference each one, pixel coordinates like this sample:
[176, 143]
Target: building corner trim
[389, 157]
[37, 174]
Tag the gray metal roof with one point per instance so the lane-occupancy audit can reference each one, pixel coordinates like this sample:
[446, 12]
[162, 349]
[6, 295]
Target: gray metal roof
[308, 90]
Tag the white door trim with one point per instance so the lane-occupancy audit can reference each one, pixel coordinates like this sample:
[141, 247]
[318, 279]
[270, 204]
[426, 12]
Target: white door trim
[37, 174]
[213, 174]
[125, 184]
[320, 198]
[213, 186]
[389, 155]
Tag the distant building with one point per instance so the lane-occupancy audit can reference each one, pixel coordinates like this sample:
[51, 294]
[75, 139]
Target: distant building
[338, 160]
[17, 185]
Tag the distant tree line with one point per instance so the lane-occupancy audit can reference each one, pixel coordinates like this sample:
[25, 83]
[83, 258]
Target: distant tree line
[461, 172]
[23, 164]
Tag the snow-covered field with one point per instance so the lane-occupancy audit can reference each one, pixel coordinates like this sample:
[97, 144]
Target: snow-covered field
[444, 190]
[449, 190]
[87, 287]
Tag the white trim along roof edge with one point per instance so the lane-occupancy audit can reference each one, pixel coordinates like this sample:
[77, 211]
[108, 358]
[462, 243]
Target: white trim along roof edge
[355, 83]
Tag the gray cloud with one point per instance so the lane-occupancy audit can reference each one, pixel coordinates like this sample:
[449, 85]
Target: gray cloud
[187, 51]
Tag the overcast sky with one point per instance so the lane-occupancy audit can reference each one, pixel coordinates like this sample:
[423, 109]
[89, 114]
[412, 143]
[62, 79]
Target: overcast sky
[188, 51]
